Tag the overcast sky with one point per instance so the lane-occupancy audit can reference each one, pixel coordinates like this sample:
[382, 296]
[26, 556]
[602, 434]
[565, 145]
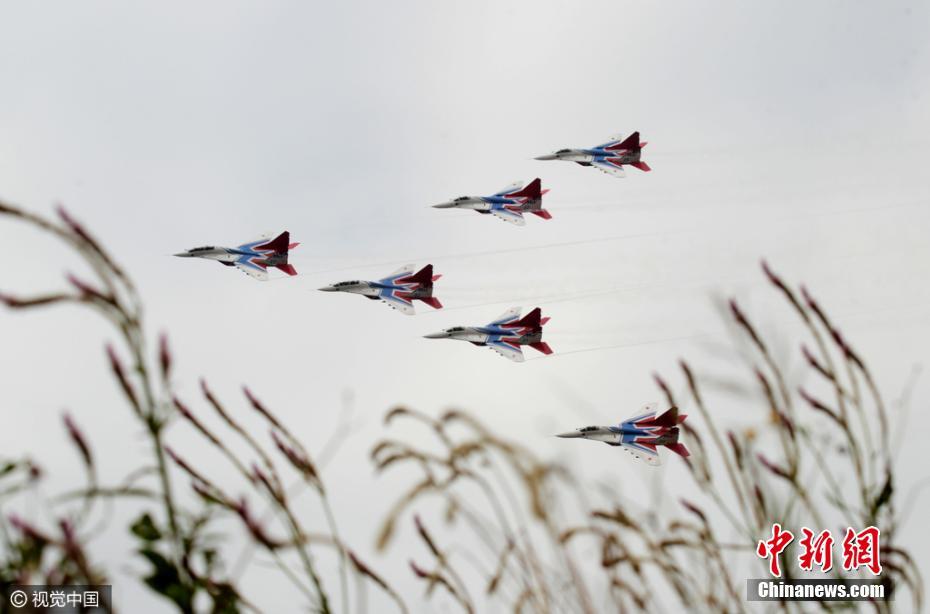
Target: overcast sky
[794, 131]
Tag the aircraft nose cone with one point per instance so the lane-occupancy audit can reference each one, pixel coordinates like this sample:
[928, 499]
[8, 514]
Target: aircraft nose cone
[546, 157]
[435, 336]
[183, 255]
[327, 289]
[443, 206]
[569, 435]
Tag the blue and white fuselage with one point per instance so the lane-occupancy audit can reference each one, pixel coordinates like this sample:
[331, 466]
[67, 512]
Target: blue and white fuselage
[397, 290]
[252, 258]
[508, 204]
[609, 157]
[505, 335]
[640, 436]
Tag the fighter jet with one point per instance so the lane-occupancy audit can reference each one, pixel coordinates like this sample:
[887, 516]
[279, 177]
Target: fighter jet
[640, 436]
[609, 157]
[252, 258]
[398, 290]
[509, 204]
[504, 335]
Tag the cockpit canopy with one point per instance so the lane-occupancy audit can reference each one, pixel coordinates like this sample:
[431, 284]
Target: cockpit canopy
[455, 329]
[343, 284]
[206, 248]
[561, 151]
[460, 199]
[588, 429]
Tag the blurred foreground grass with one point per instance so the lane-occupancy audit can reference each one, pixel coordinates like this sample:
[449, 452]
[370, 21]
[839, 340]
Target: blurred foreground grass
[527, 525]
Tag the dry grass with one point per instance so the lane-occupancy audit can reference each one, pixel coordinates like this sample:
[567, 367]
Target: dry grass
[529, 525]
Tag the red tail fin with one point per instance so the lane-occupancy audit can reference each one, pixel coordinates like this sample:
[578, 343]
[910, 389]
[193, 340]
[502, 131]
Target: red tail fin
[432, 302]
[631, 143]
[287, 268]
[680, 449]
[424, 277]
[278, 245]
[668, 419]
[542, 346]
[533, 190]
[532, 320]
[641, 166]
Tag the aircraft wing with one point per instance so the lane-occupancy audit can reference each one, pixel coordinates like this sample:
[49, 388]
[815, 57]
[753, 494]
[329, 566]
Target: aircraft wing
[508, 215]
[614, 140]
[264, 238]
[608, 167]
[513, 187]
[506, 350]
[648, 411]
[253, 270]
[511, 314]
[397, 300]
[403, 271]
[644, 452]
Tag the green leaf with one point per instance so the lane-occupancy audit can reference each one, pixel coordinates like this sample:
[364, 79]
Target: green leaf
[144, 528]
[7, 468]
[225, 600]
[884, 496]
[166, 580]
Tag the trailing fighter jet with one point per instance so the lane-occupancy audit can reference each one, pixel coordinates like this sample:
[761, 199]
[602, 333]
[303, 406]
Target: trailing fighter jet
[640, 436]
[253, 258]
[509, 204]
[609, 157]
[398, 290]
[504, 335]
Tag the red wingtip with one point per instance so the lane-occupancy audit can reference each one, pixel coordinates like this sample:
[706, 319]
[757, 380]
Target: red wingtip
[432, 302]
[681, 418]
[435, 277]
[543, 320]
[287, 268]
[543, 214]
[680, 449]
[292, 245]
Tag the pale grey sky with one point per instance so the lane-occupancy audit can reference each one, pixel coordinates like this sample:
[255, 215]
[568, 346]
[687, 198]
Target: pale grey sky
[794, 131]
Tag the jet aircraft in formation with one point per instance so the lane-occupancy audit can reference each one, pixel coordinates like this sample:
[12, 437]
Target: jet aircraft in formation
[509, 204]
[506, 335]
[609, 157]
[640, 436]
[399, 289]
[253, 257]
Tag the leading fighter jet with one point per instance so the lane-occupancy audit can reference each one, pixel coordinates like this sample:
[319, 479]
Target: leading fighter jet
[640, 436]
[504, 335]
[398, 290]
[609, 157]
[509, 204]
[252, 258]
